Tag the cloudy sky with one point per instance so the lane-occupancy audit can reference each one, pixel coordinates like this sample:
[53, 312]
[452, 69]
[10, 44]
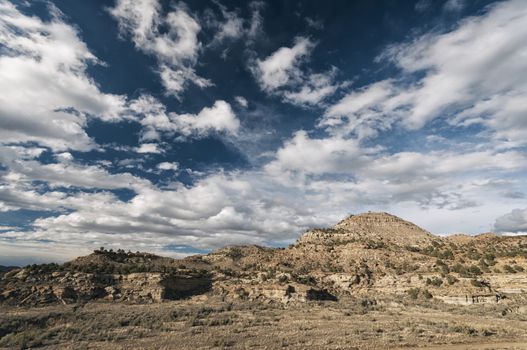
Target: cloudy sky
[178, 127]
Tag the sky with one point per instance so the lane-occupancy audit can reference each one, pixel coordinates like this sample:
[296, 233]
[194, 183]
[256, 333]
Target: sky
[177, 127]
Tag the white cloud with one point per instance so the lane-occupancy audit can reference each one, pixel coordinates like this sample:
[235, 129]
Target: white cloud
[219, 118]
[152, 115]
[513, 222]
[172, 39]
[317, 156]
[311, 182]
[362, 112]
[69, 175]
[148, 148]
[64, 157]
[281, 74]
[453, 85]
[242, 101]
[168, 166]
[315, 88]
[43, 73]
[282, 66]
[231, 28]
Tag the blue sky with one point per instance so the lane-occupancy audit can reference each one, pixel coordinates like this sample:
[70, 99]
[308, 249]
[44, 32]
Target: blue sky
[178, 127]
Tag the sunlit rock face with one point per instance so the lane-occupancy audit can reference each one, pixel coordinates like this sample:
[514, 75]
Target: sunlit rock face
[378, 227]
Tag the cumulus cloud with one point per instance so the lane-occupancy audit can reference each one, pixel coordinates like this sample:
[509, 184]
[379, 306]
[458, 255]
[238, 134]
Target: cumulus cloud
[453, 179]
[281, 73]
[219, 118]
[168, 166]
[513, 222]
[148, 148]
[43, 72]
[306, 155]
[171, 38]
[266, 206]
[452, 84]
[216, 209]
[152, 115]
[282, 66]
[336, 155]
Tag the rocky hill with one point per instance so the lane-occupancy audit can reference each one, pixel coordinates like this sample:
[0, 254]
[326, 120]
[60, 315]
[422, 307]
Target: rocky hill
[365, 255]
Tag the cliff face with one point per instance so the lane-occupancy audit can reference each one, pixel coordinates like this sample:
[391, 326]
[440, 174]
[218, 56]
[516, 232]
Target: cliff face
[36, 288]
[74, 282]
[363, 255]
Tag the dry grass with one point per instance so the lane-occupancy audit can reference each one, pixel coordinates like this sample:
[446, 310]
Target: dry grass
[215, 324]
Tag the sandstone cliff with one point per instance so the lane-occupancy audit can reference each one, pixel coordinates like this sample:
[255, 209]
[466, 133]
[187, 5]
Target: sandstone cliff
[365, 255]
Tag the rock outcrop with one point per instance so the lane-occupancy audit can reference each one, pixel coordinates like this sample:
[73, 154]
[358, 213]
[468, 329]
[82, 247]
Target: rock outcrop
[378, 228]
[362, 256]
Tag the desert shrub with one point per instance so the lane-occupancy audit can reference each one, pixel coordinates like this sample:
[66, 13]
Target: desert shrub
[223, 343]
[474, 270]
[509, 269]
[490, 259]
[375, 245]
[482, 263]
[473, 254]
[426, 294]
[283, 278]
[412, 249]
[476, 283]
[444, 267]
[390, 265]
[305, 279]
[437, 244]
[451, 279]
[413, 292]
[235, 253]
[458, 268]
[465, 330]
[435, 281]
[447, 254]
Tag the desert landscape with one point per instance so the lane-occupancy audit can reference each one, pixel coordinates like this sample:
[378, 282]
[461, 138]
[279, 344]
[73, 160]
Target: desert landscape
[371, 281]
[263, 174]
